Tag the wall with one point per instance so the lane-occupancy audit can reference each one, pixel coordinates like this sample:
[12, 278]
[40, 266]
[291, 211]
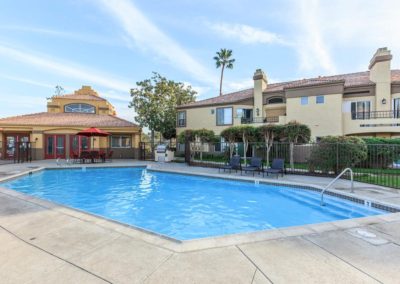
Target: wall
[197, 118]
[323, 119]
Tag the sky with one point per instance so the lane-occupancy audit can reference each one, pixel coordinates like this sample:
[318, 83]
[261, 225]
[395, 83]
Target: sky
[112, 44]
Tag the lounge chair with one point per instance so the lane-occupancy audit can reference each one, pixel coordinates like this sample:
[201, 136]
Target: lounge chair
[277, 167]
[255, 165]
[234, 164]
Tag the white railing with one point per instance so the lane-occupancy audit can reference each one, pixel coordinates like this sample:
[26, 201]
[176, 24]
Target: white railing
[334, 180]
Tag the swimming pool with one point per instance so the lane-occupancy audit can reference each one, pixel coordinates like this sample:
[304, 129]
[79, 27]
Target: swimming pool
[182, 206]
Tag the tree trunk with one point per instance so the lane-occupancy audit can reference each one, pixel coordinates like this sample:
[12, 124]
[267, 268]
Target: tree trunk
[152, 141]
[291, 147]
[245, 146]
[231, 146]
[220, 81]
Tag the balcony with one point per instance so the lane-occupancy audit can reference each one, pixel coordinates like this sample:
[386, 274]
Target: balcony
[375, 114]
[251, 120]
[371, 122]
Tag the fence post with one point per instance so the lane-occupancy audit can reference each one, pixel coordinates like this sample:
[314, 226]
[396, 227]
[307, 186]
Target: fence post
[337, 158]
[187, 150]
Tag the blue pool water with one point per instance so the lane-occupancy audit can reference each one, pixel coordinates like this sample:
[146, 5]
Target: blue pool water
[181, 206]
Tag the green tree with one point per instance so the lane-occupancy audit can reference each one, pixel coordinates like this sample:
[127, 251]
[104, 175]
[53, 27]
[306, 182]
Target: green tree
[270, 132]
[230, 135]
[296, 132]
[223, 59]
[155, 101]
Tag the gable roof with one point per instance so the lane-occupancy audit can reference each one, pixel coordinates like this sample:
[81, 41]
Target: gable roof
[67, 119]
[349, 80]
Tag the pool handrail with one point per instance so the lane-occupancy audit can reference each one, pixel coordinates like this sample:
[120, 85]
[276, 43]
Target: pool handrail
[334, 180]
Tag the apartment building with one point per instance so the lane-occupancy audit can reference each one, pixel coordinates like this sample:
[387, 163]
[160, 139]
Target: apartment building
[363, 103]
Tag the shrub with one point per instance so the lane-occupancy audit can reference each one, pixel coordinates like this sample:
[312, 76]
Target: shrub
[382, 152]
[335, 153]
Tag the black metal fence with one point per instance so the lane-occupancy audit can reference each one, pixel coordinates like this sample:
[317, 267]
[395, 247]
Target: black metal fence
[371, 163]
[20, 152]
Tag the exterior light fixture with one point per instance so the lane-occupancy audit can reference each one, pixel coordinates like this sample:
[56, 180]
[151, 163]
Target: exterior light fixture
[383, 101]
[258, 112]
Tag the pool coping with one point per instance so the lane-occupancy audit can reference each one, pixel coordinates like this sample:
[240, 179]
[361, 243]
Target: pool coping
[176, 245]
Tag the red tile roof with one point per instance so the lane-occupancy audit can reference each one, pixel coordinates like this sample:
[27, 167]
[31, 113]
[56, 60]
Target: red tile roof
[67, 119]
[349, 80]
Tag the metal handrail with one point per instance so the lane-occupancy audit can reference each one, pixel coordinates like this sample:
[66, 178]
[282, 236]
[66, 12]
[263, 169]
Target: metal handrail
[335, 179]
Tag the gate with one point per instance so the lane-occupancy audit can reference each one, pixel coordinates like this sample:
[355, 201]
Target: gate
[146, 151]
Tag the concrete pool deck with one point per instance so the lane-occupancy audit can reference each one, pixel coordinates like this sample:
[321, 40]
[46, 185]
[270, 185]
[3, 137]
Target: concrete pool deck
[42, 242]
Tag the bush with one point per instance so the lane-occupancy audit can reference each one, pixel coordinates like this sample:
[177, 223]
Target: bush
[382, 152]
[335, 153]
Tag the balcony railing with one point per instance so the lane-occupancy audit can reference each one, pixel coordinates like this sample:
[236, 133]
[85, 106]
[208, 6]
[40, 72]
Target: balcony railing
[249, 120]
[375, 114]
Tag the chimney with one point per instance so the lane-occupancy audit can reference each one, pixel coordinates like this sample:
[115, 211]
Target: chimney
[380, 74]
[260, 84]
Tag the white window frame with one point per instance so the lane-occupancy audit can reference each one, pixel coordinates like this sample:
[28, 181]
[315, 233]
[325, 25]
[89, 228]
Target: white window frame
[320, 97]
[178, 122]
[304, 101]
[225, 116]
[79, 108]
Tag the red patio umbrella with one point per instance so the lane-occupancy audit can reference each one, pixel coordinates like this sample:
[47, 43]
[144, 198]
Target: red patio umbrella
[93, 132]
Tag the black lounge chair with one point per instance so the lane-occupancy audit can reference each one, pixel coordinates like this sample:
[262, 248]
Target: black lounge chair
[277, 167]
[256, 165]
[234, 164]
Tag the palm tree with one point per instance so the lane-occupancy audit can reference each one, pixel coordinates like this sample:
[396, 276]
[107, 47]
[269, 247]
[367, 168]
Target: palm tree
[223, 59]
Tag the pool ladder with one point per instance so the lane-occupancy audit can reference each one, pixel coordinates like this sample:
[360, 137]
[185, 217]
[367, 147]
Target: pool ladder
[333, 181]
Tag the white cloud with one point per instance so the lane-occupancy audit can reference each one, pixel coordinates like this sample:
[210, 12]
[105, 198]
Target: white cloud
[27, 81]
[233, 86]
[310, 43]
[88, 38]
[246, 34]
[146, 35]
[67, 69]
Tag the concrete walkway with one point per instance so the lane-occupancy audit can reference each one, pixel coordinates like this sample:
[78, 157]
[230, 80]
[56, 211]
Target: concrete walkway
[45, 243]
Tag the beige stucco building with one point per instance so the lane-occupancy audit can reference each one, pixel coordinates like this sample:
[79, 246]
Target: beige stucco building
[363, 103]
[52, 134]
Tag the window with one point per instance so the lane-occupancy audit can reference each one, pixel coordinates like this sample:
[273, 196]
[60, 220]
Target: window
[396, 108]
[244, 113]
[275, 101]
[224, 116]
[360, 110]
[304, 101]
[320, 99]
[83, 108]
[181, 119]
[120, 141]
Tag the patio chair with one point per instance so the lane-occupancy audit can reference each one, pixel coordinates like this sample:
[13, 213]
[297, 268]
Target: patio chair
[234, 164]
[95, 156]
[277, 167]
[85, 155]
[255, 165]
[74, 157]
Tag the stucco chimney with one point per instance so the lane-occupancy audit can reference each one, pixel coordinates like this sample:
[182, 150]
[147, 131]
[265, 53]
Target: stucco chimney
[380, 74]
[260, 84]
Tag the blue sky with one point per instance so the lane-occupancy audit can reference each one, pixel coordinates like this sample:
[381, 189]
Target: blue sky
[112, 44]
